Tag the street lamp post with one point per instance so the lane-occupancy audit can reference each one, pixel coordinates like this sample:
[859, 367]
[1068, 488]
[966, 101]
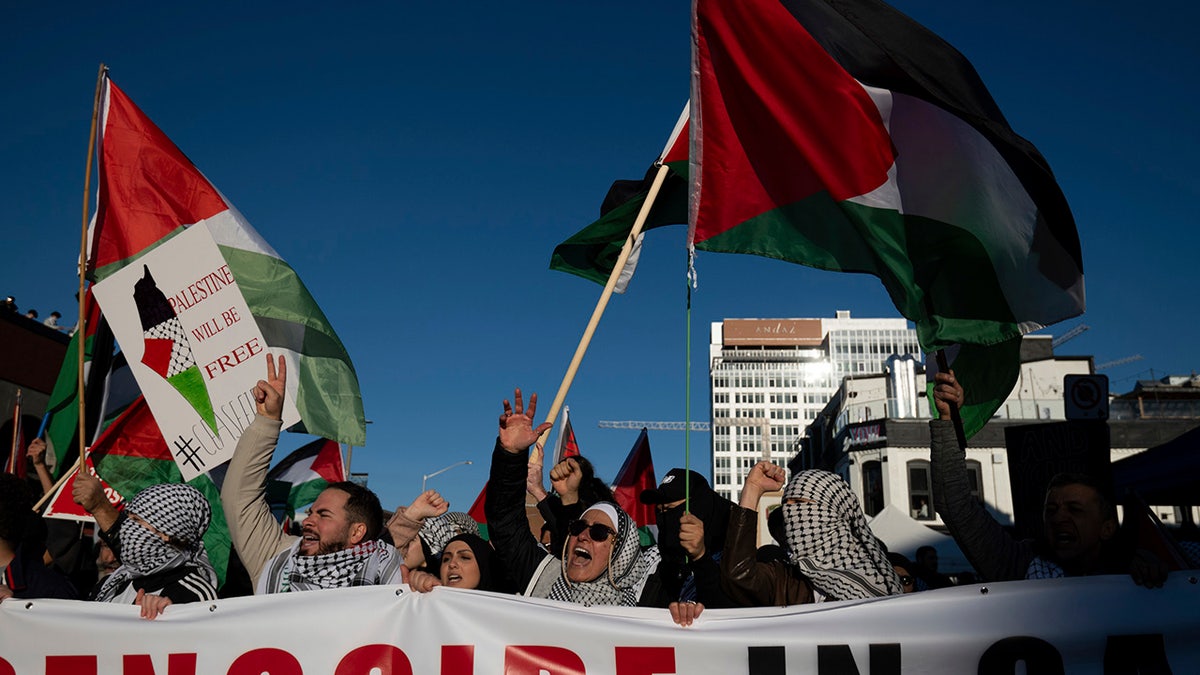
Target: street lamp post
[441, 470]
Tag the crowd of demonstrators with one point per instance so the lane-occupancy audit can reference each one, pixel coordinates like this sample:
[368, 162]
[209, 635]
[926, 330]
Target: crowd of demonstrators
[602, 562]
[151, 553]
[158, 539]
[1079, 526]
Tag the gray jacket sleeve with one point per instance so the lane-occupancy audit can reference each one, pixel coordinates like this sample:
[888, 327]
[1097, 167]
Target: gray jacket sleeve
[990, 549]
[256, 535]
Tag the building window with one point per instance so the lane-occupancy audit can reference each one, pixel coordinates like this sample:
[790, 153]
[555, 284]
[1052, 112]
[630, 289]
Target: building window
[975, 479]
[872, 474]
[920, 493]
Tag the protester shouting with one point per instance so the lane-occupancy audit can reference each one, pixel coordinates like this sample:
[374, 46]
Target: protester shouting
[602, 563]
[338, 545]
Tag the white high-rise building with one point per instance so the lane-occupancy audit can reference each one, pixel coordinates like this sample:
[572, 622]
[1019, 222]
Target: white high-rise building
[771, 377]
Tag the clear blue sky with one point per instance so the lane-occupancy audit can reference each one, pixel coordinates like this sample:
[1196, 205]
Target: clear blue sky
[417, 162]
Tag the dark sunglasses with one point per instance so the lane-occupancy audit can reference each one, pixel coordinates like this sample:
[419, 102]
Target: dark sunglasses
[596, 532]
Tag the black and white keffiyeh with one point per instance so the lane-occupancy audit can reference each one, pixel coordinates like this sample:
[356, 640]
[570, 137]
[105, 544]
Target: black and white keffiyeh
[439, 530]
[369, 563]
[830, 541]
[1041, 568]
[628, 567]
[179, 511]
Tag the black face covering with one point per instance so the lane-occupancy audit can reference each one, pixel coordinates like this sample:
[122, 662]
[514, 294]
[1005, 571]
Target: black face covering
[668, 535]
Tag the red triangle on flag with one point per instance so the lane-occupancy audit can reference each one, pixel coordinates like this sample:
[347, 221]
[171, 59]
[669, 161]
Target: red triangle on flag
[636, 474]
[328, 463]
[133, 434]
[476, 510]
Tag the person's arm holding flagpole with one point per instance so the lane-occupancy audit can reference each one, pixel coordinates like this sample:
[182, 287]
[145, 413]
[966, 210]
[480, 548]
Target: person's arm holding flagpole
[37, 456]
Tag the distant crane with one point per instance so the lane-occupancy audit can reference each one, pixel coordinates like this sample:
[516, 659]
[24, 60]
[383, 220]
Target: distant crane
[762, 423]
[657, 426]
[1073, 333]
[1119, 362]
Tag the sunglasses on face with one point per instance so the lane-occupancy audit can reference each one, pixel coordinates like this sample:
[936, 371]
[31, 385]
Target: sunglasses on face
[597, 532]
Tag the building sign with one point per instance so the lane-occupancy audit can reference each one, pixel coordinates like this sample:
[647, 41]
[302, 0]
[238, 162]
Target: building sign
[772, 332]
[871, 434]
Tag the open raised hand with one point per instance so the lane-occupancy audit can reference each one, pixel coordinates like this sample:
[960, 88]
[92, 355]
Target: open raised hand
[517, 432]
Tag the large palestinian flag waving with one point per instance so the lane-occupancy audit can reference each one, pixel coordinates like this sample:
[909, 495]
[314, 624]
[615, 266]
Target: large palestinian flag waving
[842, 135]
[150, 192]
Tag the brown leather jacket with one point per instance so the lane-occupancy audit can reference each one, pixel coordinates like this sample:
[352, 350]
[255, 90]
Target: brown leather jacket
[750, 583]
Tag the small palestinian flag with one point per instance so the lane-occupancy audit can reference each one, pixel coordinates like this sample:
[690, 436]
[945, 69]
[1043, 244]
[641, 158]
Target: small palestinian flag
[167, 351]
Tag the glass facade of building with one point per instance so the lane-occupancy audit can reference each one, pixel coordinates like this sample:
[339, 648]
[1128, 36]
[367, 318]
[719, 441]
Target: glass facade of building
[766, 395]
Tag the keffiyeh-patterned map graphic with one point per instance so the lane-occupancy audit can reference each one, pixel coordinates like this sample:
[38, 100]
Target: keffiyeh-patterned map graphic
[167, 349]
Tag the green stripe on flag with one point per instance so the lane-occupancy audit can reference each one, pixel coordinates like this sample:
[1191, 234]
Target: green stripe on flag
[101, 273]
[328, 395]
[305, 493]
[914, 257]
[63, 404]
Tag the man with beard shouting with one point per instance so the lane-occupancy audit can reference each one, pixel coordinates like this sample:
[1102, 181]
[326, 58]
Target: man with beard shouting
[339, 544]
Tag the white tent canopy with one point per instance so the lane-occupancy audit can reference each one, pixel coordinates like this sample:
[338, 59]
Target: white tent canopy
[904, 535]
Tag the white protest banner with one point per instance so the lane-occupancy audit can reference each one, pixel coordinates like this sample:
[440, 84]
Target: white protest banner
[1081, 625]
[192, 345]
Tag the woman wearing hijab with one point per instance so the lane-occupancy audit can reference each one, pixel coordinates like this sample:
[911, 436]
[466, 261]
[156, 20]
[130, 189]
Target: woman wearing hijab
[833, 555]
[467, 561]
[158, 540]
[601, 563]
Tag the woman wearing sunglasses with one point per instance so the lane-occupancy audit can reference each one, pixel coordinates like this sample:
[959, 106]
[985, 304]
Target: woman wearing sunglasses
[158, 540]
[601, 563]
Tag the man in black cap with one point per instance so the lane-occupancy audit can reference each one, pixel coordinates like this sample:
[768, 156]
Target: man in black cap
[691, 536]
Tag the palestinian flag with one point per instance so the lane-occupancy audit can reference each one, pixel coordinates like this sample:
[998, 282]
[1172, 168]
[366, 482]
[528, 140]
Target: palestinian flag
[477, 511]
[62, 429]
[842, 135]
[593, 251]
[567, 445]
[149, 192]
[636, 474]
[167, 350]
[305, 473]
[131, 455]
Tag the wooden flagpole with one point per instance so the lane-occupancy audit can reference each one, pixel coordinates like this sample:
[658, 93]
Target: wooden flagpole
[601, 304]
[81, 330]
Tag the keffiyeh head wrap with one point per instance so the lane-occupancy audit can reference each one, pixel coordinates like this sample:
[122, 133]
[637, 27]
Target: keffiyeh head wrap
[830, 541]
[628, 567]
[439, 530]
[179, 511]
